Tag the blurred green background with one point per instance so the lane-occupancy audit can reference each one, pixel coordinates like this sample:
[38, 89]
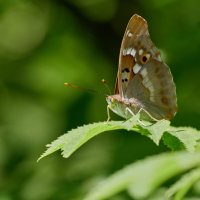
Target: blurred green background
[46, 43]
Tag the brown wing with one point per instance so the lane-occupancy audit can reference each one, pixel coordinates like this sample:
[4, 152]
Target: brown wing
[142, 74]
[153, 86]
[136, 28]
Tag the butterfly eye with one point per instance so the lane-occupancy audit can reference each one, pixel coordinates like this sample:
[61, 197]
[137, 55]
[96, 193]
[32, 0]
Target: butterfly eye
[112, 100]
[144, 58]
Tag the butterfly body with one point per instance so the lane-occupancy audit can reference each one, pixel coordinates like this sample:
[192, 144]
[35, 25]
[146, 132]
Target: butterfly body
[144, 82]
[119, 105]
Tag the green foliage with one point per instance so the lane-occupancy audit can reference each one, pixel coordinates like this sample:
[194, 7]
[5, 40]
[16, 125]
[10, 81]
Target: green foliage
[176, 138]
[181, 187]
[142, 178]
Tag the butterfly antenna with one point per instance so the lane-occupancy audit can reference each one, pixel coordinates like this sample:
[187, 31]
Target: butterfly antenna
[80, 88]
[106, 85]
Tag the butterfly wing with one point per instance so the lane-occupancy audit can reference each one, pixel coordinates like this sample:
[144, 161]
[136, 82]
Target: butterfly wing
[153, 86]
[142, 74]
[136, 28]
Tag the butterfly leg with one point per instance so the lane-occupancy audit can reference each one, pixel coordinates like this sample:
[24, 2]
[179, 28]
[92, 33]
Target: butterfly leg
[141, 109]
[130, 111]
[108, 113]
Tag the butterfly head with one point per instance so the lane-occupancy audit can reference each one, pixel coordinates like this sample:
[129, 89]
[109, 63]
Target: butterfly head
[111, 101]
[115, 103]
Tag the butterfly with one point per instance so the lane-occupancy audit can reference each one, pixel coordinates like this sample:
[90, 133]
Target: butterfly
[144, 83]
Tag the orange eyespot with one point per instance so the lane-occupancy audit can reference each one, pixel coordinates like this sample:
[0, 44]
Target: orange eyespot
[144, 58]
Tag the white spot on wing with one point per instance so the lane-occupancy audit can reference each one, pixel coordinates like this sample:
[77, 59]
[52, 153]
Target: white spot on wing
[141, 52]
[136, 68]
[130, 34]
[124, 75]
[128, 51]
[143, 73]
[133, 52]
[148, 56]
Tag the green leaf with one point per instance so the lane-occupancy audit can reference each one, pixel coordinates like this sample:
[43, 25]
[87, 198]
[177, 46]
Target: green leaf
[181, 187]
[187, 136]
[156, 131]
[175, 138]
[143, 177]
[71, 141]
